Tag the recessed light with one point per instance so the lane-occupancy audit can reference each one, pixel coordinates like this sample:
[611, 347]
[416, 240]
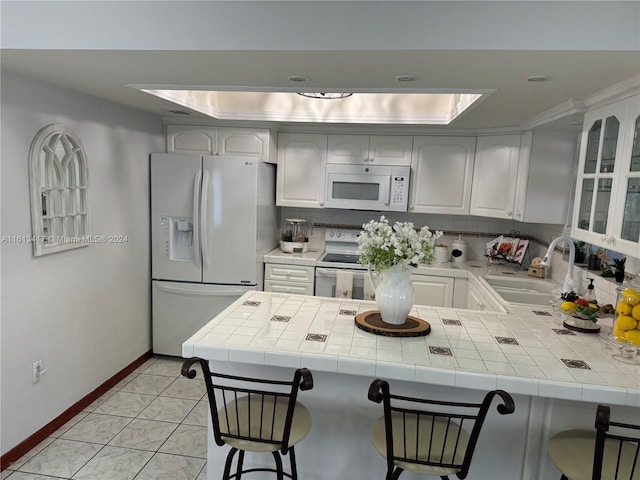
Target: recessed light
[405, 78]
[297, 78]
[537, 78]
[324, 95]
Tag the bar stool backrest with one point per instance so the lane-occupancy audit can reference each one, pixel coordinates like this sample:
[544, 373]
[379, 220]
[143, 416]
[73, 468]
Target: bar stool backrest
[247, 408]
[625, 439]
[444, 419]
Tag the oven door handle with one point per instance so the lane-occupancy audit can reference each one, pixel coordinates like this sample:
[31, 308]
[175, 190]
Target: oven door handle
[331, 272]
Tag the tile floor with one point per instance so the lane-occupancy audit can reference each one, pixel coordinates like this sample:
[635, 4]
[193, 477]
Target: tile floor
[151, 426]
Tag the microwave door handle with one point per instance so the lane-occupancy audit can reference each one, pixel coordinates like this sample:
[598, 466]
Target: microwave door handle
[386, 193]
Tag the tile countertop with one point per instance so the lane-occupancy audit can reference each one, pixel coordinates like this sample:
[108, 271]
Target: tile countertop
[449, 269]
[309, 258]
[526, 351]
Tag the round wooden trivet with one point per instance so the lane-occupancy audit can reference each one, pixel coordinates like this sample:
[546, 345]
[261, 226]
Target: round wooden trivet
[371, 322]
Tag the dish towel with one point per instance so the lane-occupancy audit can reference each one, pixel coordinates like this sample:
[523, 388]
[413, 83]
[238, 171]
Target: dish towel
[369, 289]
[344, 284]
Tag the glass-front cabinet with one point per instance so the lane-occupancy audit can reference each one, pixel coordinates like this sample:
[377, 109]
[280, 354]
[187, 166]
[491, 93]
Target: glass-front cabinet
[607, 202]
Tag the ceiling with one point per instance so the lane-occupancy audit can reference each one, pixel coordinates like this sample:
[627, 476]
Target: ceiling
[107, 48]
[571, 76]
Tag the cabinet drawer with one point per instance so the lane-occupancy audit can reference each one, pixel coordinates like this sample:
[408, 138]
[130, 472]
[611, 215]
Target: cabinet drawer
[288, 287]
[297, 273]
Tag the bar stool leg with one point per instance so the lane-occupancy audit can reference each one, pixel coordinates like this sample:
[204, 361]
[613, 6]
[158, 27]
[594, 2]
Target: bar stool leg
[279, 470]
[227, 464]
[292, 460]
[239, 466]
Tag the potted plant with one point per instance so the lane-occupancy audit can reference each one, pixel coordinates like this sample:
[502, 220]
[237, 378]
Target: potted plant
[581, 250]
[593, 262]
[618, 265]
[605, 263]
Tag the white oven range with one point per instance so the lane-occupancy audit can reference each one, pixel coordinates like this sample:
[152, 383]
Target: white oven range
[341, 253]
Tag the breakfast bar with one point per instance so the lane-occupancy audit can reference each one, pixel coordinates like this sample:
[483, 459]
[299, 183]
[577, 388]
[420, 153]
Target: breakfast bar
[556, 376]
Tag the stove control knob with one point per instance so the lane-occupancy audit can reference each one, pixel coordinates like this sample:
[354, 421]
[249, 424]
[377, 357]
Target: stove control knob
[338, 234]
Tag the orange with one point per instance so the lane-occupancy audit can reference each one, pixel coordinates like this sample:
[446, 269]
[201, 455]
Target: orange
[625, 322]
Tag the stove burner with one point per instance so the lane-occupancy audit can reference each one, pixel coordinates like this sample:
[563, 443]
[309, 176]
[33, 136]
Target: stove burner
[340, 258]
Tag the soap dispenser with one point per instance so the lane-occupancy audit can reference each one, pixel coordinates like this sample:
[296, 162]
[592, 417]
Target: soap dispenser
[590, 296]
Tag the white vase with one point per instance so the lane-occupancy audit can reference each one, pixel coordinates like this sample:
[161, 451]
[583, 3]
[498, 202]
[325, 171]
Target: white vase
[395, 295]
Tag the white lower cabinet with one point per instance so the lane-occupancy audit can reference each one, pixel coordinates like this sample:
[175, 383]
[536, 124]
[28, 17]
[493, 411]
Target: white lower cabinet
[281, 278]
[433, 290]
[479, 298]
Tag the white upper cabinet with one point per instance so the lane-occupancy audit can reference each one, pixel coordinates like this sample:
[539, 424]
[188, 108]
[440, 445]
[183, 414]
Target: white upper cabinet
[373, 150]
[607, 202]
[301, 170]
[211, 140]
[546, 173]
[495, 176]
[441, 174]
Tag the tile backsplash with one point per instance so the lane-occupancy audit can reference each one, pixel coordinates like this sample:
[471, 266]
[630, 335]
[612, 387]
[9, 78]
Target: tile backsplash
[476, 231]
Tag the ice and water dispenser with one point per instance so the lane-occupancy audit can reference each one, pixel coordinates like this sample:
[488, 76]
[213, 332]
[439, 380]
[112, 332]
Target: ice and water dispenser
[177, 238]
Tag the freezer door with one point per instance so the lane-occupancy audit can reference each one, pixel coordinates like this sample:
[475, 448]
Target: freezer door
[228, 227]
[180, 309]
[175, 199]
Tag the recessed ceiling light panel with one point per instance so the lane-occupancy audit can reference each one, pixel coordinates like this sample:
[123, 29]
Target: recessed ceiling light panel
[536, 78]
[297, 78]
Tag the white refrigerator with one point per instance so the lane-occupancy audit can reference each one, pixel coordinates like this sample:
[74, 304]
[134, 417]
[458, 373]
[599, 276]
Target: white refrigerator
[212, 220]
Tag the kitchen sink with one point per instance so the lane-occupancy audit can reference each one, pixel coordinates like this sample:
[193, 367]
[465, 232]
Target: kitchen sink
[527, 291]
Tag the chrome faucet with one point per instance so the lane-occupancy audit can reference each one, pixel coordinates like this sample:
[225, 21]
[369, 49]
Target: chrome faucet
[569, 283]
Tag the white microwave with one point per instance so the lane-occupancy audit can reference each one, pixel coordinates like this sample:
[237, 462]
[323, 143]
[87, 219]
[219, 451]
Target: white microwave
[367, 187]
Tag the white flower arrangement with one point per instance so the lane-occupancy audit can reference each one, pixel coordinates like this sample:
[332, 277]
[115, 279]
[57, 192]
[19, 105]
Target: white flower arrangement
[383, 246]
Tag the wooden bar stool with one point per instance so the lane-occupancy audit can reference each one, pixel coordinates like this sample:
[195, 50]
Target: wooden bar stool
[598, 454]
[429, 437]
[256, 415]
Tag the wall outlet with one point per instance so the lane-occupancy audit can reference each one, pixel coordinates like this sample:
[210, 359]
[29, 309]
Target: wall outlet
[38, 370]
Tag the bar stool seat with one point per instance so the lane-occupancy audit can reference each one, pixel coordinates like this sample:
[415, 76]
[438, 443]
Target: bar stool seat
[579, 453]
[257, 415]
[238, 413]
[428, 436]
[435, 449]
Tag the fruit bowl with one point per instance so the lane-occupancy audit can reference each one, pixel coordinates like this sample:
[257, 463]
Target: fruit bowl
[581, 315]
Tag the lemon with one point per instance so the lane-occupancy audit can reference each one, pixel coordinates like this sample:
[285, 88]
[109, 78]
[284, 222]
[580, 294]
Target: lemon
[631, 296]
[623, 308]
[618, 332]
[635, 312]
[633, 336]
[625, 322]
[568, 306]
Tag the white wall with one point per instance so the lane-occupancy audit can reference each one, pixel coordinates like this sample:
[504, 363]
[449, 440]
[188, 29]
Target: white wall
[84, 312]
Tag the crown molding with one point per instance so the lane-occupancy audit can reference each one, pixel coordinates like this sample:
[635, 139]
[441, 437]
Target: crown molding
[619, 91]
[565, 109]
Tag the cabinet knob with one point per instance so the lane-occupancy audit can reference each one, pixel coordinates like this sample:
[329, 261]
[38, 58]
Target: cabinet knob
[604, 238]
[517, 214]
[509, 213]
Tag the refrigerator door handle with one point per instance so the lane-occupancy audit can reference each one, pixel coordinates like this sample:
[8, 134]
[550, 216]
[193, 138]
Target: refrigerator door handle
[209, 293]
[196, 213]
[203, 219]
